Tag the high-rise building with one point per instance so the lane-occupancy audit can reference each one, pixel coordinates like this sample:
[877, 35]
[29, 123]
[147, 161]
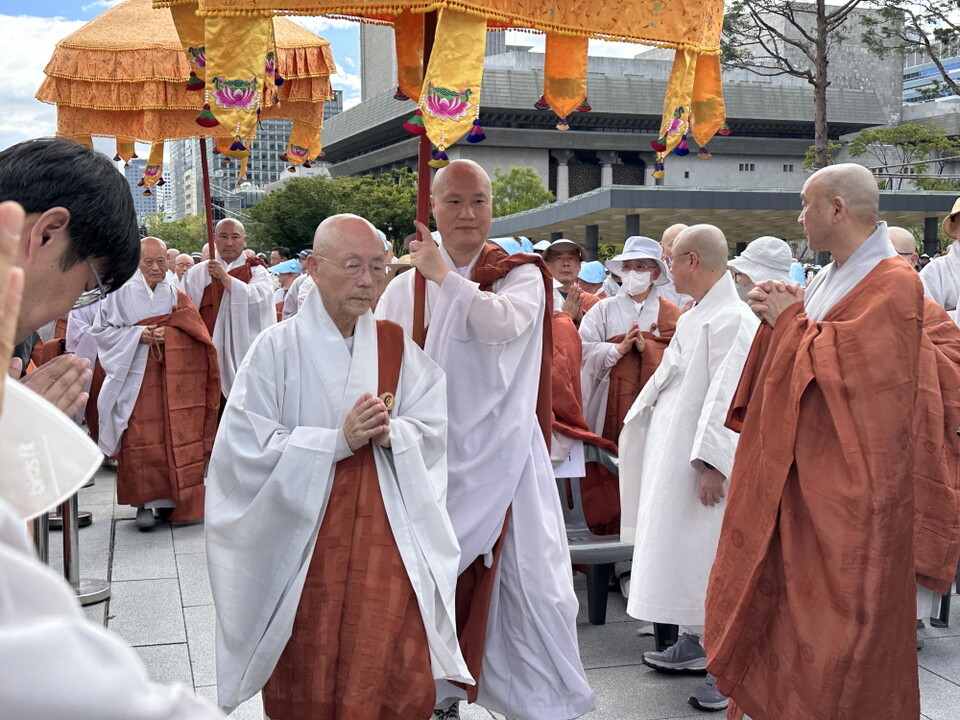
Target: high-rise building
[922, 79]
[143, 204]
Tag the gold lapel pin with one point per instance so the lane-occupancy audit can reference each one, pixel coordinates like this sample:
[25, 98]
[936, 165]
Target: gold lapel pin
[388, 400]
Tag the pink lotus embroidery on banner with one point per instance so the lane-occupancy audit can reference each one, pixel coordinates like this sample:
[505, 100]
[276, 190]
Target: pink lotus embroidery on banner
[448, 104]
[199, 56]
[271, 65]
[151, 171]
[297, 152]
[235, 94]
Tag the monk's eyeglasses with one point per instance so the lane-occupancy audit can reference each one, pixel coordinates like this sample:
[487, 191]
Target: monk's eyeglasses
[354, 269]
[88, 297]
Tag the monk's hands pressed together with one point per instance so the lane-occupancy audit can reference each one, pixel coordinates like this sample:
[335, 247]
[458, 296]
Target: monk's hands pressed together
[152, 335]
[711, 486]
[11, 282]
[769, 299]
[367, 420]
[573, 305]
[425, 256]
[61, 382]
[633, 338]
[217, 272]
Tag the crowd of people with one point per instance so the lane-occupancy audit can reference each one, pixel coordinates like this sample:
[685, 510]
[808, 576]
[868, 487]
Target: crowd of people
[384, 531]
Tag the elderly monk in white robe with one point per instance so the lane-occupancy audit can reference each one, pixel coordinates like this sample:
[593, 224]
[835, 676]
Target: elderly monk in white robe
[669, 290]
[676, 454]
[331, 555]
[158, 402]
[244, 290]
[941, 276]
[486, 312]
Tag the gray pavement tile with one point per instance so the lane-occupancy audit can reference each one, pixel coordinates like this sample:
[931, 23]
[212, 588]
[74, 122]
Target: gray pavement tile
[474, 712]
[201, 624]
[167, 664]
[94, 547]
[124, 512]
[188, 538]
[941, 656]
[639, 693]
[97, 614]
[141, 555]
[939, 698]
[612, 645]
[147, 612]
[954, 629]
[252, 709]
[194, 580]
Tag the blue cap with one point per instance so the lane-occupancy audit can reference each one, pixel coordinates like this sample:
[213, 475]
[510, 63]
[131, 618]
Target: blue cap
[508, 244]
[287, 266]
[593, 272]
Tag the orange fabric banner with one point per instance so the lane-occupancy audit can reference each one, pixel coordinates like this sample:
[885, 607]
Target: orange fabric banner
[565, 72]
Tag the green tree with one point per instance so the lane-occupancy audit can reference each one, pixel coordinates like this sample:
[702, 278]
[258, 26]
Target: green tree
[788, 37]
[903, 151]
[931, 27]
[187, 235]
[289, 216]
[389, 201]
[518, 190]
[833, 149]
[607, 250]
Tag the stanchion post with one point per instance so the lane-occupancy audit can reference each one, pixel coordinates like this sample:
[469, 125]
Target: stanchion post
[41, 537]
[89, 591]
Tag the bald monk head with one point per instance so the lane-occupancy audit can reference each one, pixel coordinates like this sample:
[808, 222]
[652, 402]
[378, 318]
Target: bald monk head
[905, 244]
[172, 258]
[699, 260]
[841, 205]
[183, 263]
[205, 252]
[668, 238]
[230, 238]
[461, 198]
[153, 260]
[347, 267]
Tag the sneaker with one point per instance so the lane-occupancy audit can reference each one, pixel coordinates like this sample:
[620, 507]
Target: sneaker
[625, 585]
[447, 712]
[685, 655]
[145, 518]
[707, 697]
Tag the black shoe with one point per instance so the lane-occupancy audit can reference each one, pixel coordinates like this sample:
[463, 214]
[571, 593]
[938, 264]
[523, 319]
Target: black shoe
[145, 519]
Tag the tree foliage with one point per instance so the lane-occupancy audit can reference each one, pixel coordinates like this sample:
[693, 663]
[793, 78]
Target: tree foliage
[929, 26]
[905, 150]
[290, 216]
[787, 37]
[810, 158]
[518, 190]
[187, 235]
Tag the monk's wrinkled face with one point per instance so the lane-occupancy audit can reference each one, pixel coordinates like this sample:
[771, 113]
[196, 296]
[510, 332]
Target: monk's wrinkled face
[462, 203]
[231, 239]
[818, 213]
[153, 263]
[564, 265]
[349, 274]
[184, 263]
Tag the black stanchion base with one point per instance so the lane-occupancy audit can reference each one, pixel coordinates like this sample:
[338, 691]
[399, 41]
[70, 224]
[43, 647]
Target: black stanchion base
[84, 518]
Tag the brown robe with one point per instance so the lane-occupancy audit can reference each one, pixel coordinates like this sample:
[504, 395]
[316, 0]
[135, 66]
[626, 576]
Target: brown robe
[810, 611]
[475, 584]
[166, 446]
[358, 648]
[209, 309]
[600, 489]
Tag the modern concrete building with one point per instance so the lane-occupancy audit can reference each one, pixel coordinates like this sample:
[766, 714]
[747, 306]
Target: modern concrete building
[143, 204]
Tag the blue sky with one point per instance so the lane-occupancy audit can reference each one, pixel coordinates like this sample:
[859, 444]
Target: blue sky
[31, 30]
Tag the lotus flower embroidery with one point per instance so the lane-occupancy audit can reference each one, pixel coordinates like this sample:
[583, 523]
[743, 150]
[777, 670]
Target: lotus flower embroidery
[271, 64]
[448, 104]
[151, 171]
[199, 56]
[235, 94]
[297, 151]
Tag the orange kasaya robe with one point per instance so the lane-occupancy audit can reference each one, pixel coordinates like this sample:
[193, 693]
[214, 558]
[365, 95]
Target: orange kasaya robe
[810, 611]
[167, 443]
[243, 273]
[600, 490]
[358, 649]
[475, 584]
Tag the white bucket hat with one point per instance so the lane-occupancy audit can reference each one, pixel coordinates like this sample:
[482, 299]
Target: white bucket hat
[766, 258]
[564, 244]
[638, 247]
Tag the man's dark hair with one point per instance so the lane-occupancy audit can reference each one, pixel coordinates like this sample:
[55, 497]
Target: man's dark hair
[282, 251]
[55, 172]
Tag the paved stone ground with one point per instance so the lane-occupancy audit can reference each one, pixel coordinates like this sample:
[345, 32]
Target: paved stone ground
[161, 604]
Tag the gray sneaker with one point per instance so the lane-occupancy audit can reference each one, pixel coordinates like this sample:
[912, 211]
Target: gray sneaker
[707, 697]
[446, 711]
[685, 655]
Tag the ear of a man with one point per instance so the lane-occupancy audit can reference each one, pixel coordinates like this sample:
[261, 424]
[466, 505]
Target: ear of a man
[42, 232]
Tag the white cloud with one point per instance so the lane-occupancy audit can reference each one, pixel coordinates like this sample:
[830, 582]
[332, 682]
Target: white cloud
[31, 40]
[598, 48]
[348, 82]
[319, 25]
[100, 4]
[350, 102]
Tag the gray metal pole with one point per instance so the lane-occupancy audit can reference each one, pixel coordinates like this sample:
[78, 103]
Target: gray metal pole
[592, 238]
[41, 537]
[89, 591]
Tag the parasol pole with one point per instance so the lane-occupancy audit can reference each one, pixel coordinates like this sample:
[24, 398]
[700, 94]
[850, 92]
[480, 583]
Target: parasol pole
[208, 213]
[423, 192]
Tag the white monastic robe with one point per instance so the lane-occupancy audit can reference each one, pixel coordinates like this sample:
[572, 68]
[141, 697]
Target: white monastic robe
[668, 291]
[57, 665]
[674, 427]
[80, 342]
[270, 476]
[245, 311]
[490, 346]
[608, 318]
[294, 296]
[122, 356]
[941, 278]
